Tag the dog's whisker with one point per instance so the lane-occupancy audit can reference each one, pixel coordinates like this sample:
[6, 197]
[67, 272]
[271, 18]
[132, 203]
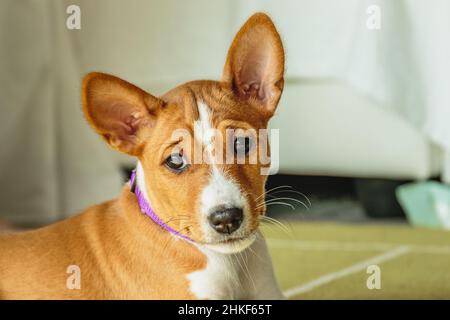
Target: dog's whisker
[250, 274]
[244, 261]
[239, 262]
[277, 202]
[175, 219]
[297, 192]
[276, 188]
[256, 255]
[288, 198]
[233, 279]
[277, 222]
[274, 220]
[270, 224]
[271, 196]
[273, 189]
[240, 266]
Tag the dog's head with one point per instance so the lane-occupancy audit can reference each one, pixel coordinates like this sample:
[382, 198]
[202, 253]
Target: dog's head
[196, 143]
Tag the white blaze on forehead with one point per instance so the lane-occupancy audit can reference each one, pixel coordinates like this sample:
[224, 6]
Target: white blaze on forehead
[220, 190]
[203, 126]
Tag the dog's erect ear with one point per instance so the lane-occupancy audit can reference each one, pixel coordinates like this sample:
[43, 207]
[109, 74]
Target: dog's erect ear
[255, 62]
[118, 110]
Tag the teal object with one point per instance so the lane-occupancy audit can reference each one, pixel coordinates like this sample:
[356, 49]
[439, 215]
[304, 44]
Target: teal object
[426, 204]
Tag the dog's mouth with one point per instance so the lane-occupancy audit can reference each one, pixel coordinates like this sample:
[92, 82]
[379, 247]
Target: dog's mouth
[232, 245]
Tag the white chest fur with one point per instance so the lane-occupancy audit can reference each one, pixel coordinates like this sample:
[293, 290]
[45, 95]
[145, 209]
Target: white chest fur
[245, 275]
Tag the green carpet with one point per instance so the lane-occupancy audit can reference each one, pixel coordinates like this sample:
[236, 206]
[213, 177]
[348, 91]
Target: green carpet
[329, 261]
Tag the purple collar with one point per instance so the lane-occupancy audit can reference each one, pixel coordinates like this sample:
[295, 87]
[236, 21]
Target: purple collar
[147, 209]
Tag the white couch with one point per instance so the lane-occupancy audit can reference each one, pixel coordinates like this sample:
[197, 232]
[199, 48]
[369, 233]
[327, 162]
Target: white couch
[328, 128]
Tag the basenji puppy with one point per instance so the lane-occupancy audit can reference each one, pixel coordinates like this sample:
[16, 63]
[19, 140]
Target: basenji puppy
[180, 229]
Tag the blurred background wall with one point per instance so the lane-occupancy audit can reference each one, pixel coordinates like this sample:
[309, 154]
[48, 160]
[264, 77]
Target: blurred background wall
[359, 102]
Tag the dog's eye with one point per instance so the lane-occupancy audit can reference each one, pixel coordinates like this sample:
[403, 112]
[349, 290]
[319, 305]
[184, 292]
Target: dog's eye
[242, 145]
[176, 162]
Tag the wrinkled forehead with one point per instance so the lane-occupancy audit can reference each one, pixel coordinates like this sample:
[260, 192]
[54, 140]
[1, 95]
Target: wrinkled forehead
[201, 100]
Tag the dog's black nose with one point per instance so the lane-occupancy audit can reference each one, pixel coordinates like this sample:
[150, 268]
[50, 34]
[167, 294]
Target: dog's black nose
[226, 220]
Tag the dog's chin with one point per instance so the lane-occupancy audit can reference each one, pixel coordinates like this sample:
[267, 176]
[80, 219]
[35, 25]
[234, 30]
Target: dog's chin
[233, 245]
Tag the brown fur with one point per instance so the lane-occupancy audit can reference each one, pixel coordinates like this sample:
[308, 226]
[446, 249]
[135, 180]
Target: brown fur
[123, 254]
